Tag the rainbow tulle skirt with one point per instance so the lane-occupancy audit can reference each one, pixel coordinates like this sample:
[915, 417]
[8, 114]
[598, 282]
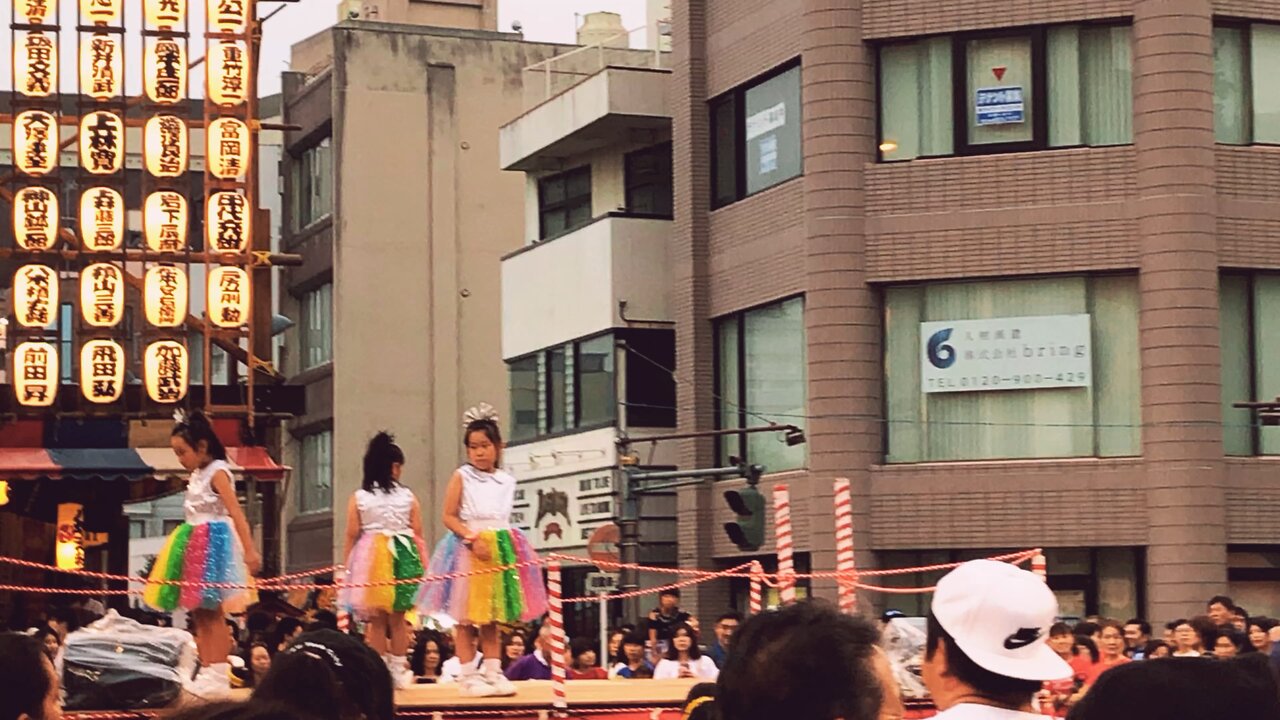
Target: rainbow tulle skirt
[205, 551]
[487, 595]
[382, 558]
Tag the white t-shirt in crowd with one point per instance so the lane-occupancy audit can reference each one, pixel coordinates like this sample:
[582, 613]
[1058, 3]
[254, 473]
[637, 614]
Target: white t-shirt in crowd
[1187, 653]
[968, 711]
[704, 668]
[452, 668]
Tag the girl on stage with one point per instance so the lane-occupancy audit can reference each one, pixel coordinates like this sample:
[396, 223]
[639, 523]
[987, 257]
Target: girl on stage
[477, 513]
[214, 545]
[384, 543]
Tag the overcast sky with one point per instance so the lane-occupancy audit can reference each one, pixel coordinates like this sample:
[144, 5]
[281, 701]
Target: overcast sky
[543, 20]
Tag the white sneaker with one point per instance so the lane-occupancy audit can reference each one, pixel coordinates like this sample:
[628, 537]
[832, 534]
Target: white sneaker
[213, 682]
[475, 685]
[502, 687]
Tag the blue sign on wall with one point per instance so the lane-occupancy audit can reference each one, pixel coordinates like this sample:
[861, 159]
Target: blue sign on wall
[999, 106]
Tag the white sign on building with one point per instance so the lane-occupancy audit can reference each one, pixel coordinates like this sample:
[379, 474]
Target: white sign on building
[562, 512]
[1016, 353]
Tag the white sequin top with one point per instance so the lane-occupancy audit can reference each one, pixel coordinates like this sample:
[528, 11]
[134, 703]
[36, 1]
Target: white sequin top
[487, 498]
[382, 511]
[201, 503]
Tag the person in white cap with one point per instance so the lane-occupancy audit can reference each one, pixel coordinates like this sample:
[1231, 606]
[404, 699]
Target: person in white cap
[985, 651]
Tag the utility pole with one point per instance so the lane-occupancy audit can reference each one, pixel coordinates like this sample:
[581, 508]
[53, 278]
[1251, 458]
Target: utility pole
[628, 504]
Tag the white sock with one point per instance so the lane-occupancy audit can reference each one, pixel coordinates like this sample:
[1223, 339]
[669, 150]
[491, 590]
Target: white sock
[469, 668]
[492, 665]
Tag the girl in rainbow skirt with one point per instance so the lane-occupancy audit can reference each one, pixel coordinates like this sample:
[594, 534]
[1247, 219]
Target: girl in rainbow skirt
[384, 543]
[214, 545]
[477, 513]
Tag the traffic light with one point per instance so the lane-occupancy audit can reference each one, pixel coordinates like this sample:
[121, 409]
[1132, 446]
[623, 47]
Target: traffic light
[747, 532]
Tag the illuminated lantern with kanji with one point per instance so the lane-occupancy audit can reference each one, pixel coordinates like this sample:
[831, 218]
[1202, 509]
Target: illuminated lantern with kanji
[100, 65]
[228, 297]
[35, 218]
[101, 12]
[228, 148]
[102, 371]
[165, 366]
[165, 140]
[35, 142]
[35, 295]
[164, 221]
[35, 64]
[35, 373]
[102, 295]
[34, 12]
[165, 13]
[102, 143]
[102, 219]
[228, 16]
[164, 68]
[227, 224]
[165, 296]
[228, 73]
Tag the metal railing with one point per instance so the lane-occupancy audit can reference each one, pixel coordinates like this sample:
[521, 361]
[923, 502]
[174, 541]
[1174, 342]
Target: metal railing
[563, 71]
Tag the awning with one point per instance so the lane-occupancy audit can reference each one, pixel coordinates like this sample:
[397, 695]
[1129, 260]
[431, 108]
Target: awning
[125, 464]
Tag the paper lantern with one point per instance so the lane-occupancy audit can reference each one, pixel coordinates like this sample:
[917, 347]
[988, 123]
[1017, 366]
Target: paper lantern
[4, 493]
[164, 70]
[100, 65]
[165, 141]
[101, 12]
[35, 295]
[102, 143]
[34, 12]
[165, 13]
[164, 220]
[227, 76]
[69, 539]
[228, 300]
[102, 371]
[228, 148]
[102, 295]
[227, 223]
[165, 296]
[228, 16]
[35, 142]
[101, 219]
[35, 218]
[35, 373]
[35, 64]
[165, 366]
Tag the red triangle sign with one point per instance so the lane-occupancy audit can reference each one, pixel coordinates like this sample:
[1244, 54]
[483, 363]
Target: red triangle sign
[999, 72]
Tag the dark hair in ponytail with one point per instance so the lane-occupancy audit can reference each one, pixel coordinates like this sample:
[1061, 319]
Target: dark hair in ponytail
[196, 427]
[378, 459]
[490, 430]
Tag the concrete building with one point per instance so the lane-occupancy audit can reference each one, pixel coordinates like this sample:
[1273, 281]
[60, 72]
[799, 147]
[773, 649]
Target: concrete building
[395, 197]
[658, 13]
[880, 208]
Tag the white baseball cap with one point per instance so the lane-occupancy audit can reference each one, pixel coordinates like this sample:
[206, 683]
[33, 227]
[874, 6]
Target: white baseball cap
[1000, 615]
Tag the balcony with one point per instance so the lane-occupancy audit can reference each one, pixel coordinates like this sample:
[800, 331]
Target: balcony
[613, 103]
[573, 286]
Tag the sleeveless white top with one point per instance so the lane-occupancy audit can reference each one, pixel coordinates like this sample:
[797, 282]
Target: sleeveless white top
[487, 498]
[201, 503]
[385, 512]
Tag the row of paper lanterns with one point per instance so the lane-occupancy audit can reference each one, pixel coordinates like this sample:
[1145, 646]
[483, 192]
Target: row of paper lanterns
[36, 295]
[228, 16]
[37, 372]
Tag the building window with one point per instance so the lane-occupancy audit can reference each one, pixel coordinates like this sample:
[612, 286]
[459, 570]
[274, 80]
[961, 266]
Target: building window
[1245, 112]
[761, 379]
[595, 387]
[66, 340]
[137, 529]
[317, 318]
[564, 202]
[170, 525]
[315, 492]
[755, 136]
[1064, 86]
[524, 398]
[1084, 403]
[312, 185]
[648, 180]
[1250, 333]
[558, 418]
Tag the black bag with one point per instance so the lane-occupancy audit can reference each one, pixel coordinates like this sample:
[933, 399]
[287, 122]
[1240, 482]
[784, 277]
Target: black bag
[119, 664]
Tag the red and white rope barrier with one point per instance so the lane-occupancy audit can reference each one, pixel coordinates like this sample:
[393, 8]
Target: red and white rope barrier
[757, 589]
[556, 618]
[845, 565]
[786, 566]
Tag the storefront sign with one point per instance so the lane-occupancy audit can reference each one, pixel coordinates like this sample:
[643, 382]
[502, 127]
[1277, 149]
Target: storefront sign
[563, 512]
[1018, 353]
[599, 582]
[998, 106]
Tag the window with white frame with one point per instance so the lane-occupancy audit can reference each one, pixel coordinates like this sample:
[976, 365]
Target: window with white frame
[317, 319]
[315, 491]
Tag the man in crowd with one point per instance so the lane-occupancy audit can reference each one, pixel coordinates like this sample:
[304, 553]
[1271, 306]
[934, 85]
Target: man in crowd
[985, 652]
[537, 664]
[663, 622]
[1137, 633]
[1220, 610]
[726, 626]
[28, 683]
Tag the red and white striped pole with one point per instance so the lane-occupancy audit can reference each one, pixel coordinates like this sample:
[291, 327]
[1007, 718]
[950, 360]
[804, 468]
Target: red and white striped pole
[782, 521]
[559, 701]
[1040, 566]
[757, 592]
[845, 565]
[344, 621]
